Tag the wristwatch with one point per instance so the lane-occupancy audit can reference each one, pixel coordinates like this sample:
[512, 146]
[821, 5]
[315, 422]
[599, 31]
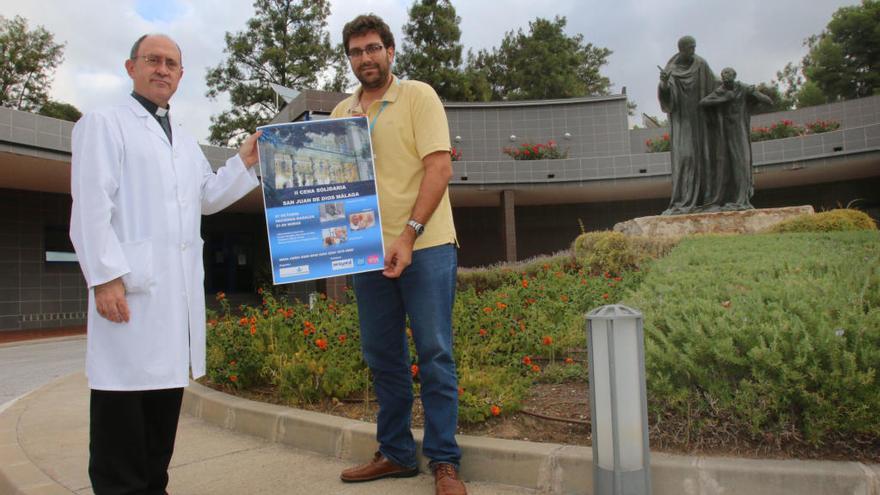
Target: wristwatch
[419, 228]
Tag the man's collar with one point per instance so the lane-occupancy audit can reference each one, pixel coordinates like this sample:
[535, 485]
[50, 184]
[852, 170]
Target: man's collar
[390, 95]
[150, 106]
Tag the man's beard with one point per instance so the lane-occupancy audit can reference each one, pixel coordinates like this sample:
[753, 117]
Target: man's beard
[374, 83]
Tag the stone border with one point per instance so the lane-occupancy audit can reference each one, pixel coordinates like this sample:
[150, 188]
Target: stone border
[551, 469]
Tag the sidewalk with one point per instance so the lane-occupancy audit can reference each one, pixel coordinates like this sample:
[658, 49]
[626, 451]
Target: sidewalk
[229, 445]
[44, 450]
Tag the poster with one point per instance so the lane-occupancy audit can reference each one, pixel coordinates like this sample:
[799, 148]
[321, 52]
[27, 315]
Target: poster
[319, 193]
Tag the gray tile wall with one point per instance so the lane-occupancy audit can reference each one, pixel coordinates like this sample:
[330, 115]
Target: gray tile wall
[596, 128]
[34, 130]
[34, 293]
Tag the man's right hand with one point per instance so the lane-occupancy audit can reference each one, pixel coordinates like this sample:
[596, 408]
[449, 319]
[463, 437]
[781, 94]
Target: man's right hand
[110, 301]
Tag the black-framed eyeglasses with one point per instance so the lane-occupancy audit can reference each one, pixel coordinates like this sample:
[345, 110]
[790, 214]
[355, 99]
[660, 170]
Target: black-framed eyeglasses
[369, 50]
[157, 60]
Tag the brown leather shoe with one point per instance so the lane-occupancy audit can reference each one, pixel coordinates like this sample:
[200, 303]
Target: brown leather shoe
[446, 480]
[379, 467]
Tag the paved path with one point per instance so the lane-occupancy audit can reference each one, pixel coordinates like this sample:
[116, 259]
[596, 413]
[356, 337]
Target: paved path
[26, 366]
[52, 432]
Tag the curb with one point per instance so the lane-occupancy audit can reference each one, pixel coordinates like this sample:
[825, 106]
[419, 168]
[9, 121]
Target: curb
[551, 469]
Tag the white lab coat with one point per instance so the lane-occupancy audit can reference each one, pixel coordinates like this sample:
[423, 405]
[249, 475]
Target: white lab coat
[136, 214]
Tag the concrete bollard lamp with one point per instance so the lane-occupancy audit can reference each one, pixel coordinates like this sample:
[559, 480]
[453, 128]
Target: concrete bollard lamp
[618, 401]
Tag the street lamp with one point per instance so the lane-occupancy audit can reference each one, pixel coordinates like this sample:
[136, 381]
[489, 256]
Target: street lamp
[618, 402]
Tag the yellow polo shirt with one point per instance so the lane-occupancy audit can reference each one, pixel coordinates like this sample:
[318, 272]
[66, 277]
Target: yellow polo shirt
[411, 125]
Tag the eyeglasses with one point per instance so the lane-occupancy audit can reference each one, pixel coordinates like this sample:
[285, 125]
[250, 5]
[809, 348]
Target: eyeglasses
[157, 60]
[370, 51]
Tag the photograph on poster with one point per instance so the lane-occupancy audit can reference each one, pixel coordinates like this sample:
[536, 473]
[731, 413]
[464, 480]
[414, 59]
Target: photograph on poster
[319, 193]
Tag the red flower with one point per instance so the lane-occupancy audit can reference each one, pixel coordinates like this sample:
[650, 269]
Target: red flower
[483, 332]
[569, 360]
[500, 305]
[460, 391]
[233, 378]
[527, 360]
[495, 410]
[548, 340]
[487, 310]
[321, 343]
[536, 368]
[243, 321]
[260, 290]
[253, 329]
[525, 283]
[221, 296]
[342, 338]
[414, 369]
[563, 298]
[605, 296]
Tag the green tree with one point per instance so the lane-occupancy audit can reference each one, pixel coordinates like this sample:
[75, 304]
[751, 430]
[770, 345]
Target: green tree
[60, 110]
[431, 49]
[29, 59]
[544, 63]
[844, 60]
[810, 95]
[286, 43]
[339, 78]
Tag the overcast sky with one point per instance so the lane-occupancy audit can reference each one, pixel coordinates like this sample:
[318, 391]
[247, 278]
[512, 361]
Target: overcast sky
[756, 37]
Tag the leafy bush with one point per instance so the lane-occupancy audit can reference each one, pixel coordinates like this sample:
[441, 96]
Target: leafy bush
[658, 145]
[773, 337]
[539, 151]
[820, 126]
[308, 355]
[615, 252]
[842, 219]
[778, 130]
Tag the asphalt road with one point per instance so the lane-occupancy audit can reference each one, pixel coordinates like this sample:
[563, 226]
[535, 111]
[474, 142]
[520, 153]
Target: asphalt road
[25, 366]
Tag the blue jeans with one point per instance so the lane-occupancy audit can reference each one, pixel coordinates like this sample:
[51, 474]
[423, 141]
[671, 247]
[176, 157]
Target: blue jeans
[425, 292]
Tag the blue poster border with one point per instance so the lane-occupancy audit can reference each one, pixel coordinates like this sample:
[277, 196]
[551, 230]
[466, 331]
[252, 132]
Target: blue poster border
[320, 199]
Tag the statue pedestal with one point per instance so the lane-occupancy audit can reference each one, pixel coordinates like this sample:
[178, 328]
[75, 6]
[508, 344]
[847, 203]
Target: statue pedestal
[725, 222]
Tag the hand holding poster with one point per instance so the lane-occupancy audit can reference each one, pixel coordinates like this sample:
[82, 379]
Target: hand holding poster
[319, 192]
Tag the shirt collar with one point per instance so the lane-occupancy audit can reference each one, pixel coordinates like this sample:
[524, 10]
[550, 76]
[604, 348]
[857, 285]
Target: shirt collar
[151, 107]
[390, 96]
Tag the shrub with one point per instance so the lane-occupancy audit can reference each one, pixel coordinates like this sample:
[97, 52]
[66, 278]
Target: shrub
[820, 126]
[778, 130]
[615, 252]
[658, 145]
[540, 151]
[768, 336]
[842, 219]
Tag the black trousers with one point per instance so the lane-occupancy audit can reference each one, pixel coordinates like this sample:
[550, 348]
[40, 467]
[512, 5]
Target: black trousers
[131, 439]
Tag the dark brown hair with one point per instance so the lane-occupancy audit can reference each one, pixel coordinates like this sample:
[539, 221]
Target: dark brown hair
[364, 24]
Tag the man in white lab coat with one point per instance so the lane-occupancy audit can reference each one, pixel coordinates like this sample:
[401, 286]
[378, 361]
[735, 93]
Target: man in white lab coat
[139, 187]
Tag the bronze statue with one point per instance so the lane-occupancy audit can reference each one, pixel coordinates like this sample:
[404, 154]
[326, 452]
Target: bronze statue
[729, 105]
[685, 81]
[709, 126]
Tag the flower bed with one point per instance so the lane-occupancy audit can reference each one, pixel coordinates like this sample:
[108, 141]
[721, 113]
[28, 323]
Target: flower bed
[540, 151]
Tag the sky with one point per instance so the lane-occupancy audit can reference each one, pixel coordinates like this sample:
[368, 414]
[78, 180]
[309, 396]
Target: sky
[755, 37]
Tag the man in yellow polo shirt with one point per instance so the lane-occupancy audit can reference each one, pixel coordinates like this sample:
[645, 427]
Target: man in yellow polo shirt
[410, 138]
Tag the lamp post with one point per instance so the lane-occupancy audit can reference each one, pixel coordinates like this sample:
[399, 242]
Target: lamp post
[618, 402]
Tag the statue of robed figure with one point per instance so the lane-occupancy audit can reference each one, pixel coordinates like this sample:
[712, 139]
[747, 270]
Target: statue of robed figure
[685, 81]
[730, 106]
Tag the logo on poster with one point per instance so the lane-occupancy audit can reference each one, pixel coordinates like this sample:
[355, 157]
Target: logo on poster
[342, 264]
[372, 259]
[293, 271]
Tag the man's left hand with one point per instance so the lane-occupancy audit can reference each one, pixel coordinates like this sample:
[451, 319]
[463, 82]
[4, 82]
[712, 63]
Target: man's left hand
[399, 255]
[248, 150]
